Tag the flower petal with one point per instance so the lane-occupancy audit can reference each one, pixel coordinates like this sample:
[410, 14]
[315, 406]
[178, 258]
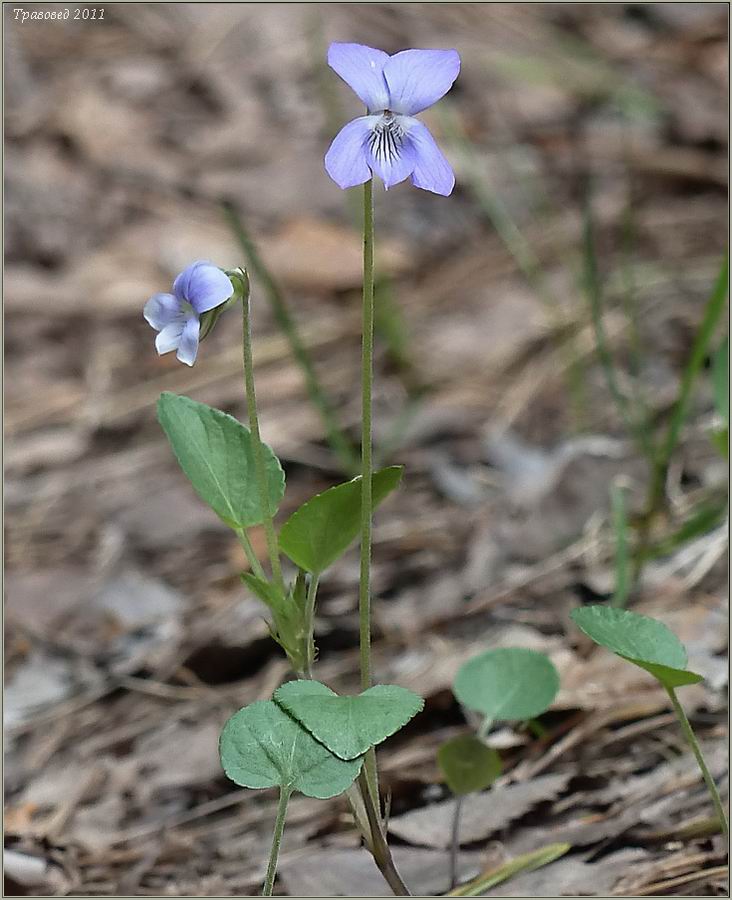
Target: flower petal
[203, 285]
[160, 310]
[169, 337]
[362, 69]
[188, 347]
[432, 171]
[418, 78]
[346, 160]
[392, 161]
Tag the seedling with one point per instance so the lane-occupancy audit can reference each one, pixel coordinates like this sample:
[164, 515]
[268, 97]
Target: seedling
[508, 684]
[652, 646]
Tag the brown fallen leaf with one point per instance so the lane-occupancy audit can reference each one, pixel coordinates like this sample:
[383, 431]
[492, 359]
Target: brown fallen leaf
[482, 814]
[315, 255]
[353, 873]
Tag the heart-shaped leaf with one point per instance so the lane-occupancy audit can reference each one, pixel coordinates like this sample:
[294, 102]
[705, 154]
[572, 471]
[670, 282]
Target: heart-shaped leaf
[323, 528]
[508, 683]
[349, 725]
[639, 639]
[467, 764]
[215, 451]
[261, 746]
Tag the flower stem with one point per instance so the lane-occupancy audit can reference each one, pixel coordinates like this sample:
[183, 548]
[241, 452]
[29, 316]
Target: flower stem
[276, 841]
[259, 468]
[706, 774]
[310, 625]
[367, 377]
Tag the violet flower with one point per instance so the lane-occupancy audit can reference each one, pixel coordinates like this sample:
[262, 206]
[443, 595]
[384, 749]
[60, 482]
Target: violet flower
[198, 288]
[389, 141]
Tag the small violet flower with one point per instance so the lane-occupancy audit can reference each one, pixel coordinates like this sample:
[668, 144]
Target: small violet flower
[389, 141]
[198, 288]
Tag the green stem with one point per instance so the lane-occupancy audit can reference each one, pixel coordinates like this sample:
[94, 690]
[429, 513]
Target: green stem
[257, 449]
[379, 847]
[696, 749]
[276, 841]
[251, 555]
[455, 841]
[310, 624]
[367, 377]
[337, 440]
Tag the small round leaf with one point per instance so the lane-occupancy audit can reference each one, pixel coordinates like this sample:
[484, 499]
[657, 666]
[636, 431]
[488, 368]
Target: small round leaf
[467, 764]
[508, 683]
[641, 640]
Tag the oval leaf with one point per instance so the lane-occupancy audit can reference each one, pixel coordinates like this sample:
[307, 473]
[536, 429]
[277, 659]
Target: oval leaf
[467, 764]
[641, 640]
[508, 683]
[323, 528]
[349, 726]
[261, 746]
[215, 451]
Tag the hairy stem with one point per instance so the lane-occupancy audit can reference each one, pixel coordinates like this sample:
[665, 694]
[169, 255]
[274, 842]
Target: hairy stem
[276, 841]
[257, 449]
[310, 625]
[379, 847]
[706, 774]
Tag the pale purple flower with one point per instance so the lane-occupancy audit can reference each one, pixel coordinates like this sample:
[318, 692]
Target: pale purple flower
[389, 141]
[198, 288]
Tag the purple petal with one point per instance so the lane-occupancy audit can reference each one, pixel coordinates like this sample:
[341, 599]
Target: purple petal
[169, 337]
[346, 160]
[188, 347]
[160, 310]
[432, 171]
[362, 69]
[395, 166]
[418, 78]
[203, 285]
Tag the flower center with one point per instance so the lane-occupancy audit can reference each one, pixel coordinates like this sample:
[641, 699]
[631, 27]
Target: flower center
[387, 137]
[187, 310]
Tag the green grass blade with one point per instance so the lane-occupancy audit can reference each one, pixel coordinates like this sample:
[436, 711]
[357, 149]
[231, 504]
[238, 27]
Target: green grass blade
[527, 862]
[620, 529]
[339, 443]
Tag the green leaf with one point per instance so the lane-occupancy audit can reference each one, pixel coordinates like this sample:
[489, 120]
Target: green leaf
[261, 746]
[720, 377]
[348, 726]
[467, 764]
[508, 683]
[321, 530]
[639, 639]
[215, 451]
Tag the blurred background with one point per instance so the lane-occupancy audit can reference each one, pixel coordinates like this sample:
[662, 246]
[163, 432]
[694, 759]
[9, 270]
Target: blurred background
[534, 337]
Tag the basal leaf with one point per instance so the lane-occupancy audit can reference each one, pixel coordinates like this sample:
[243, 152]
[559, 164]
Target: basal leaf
[323, 528]
[507, 683]
[467, 764]
[349, 725]
[261, 746]
[641, 640]
[215, 451]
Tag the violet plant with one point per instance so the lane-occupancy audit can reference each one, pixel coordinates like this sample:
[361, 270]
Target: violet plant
[308, 738]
